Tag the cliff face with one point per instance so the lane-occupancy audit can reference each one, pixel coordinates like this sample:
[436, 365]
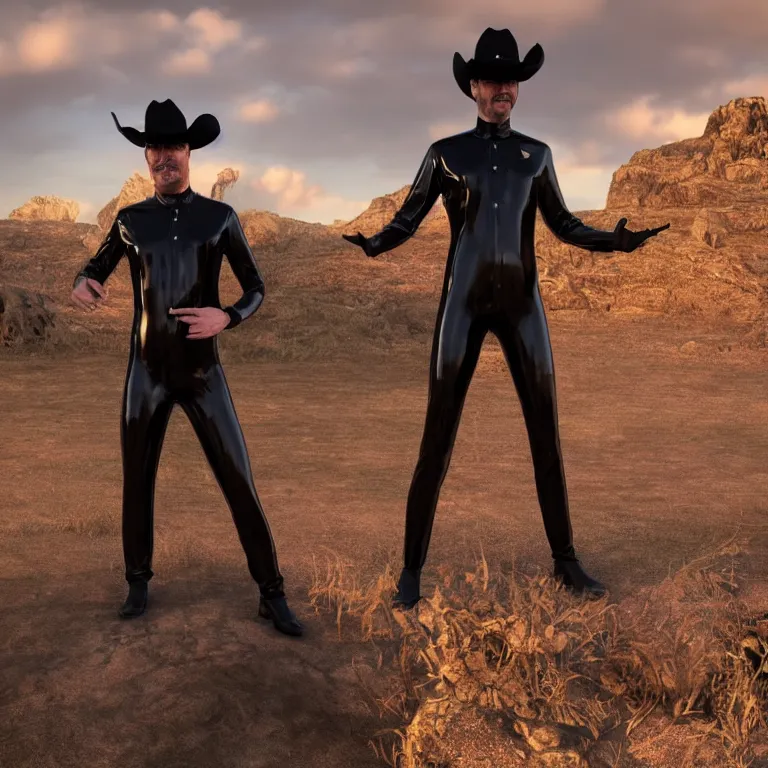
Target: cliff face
[47, 208]
[727, 164]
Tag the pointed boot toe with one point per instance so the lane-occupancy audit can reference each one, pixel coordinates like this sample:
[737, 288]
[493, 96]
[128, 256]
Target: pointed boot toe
[276, 609]
[575, 578]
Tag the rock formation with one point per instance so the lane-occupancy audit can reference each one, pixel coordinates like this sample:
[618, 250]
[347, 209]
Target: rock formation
[710, 227]
[380, 212]
[47, 208]
[264, 228]
[225, 180]
[726, 165]
[136, 188]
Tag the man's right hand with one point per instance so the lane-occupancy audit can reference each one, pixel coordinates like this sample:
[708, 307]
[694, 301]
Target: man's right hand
[88, 294]
[360, 240]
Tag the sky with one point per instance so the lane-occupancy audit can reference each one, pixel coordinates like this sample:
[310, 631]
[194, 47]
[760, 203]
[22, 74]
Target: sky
[326, 104]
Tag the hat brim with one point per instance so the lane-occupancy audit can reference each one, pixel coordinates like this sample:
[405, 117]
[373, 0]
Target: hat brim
[501, 72]
[203, 131]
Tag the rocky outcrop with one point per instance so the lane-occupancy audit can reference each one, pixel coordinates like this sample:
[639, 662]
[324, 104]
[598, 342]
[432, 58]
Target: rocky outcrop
[726, 165]
[225, 180]
[136, 188]
[380, 212]
[710, 227]
[264, 228]
[47, 208]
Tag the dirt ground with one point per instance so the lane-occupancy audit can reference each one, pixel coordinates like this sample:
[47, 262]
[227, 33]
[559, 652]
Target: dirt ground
[666, 455]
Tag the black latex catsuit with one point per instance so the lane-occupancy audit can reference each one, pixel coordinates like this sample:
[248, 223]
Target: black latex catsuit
[174, 245]
[491, 180]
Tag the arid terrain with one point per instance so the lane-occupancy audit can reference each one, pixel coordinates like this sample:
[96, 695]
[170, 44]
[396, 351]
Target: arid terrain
[663, 397]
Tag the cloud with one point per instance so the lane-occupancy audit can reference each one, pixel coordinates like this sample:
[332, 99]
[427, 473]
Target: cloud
[261, 111]
[203, 175]
[255, 44]
[288, 186]
[754, 85]
[463, 22]
[345, 68]
[64, 37]
[326, 209]
[212, 30]
[193, 61]
[47, 44]
[67, 36]
[644, 122]
[292, 195]
[88, 212]
[361, 89]
[583, 179]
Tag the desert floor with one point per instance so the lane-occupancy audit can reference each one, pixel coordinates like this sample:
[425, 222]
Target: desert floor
[666, 455]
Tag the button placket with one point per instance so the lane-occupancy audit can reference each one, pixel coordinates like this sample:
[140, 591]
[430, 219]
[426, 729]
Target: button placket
[495, 167]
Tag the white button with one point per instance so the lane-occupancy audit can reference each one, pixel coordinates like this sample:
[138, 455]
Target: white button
[495, 205]
[175, 238]
[495, 167]
[494, 146]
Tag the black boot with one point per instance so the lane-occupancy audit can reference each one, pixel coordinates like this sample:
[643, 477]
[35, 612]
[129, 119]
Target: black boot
[281, 615]
[136, 602]
[407, 589]
[577, 579]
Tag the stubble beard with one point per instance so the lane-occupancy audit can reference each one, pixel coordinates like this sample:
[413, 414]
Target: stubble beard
[168, 180]
[497, 112]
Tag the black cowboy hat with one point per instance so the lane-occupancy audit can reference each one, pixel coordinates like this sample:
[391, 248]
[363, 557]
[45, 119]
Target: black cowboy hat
[164, 123]
[497, 59]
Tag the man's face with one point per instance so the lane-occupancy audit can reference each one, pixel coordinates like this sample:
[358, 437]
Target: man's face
[494, 100]
[168, 167]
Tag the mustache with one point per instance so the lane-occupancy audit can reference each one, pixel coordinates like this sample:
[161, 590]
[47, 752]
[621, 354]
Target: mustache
[169, 165]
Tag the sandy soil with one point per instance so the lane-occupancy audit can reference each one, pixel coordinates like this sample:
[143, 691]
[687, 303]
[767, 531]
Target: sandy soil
[665, 456]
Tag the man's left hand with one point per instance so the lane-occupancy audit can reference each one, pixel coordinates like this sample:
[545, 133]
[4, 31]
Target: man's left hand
[204, 322]
[626, 240]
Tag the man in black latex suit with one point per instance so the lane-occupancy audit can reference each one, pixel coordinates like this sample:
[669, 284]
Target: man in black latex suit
[492, 179]
[174, 242]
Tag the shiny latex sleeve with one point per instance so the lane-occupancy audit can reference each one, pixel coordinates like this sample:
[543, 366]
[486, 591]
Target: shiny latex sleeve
[422, 196]
[567, 227]
[240, 257]
[106, 258]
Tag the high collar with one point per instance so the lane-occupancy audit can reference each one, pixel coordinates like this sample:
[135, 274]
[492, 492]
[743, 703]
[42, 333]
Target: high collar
[486, 130]
[181, 197]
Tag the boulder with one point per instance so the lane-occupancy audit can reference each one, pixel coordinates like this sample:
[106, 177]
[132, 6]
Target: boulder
[136, 188]
[710, 227]
[47, 208]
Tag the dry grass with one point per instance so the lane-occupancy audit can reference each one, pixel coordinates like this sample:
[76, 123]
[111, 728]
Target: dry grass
[568, 681]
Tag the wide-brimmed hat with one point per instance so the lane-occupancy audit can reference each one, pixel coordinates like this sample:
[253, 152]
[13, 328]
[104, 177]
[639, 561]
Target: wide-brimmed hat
[164, 123]
[497, 59]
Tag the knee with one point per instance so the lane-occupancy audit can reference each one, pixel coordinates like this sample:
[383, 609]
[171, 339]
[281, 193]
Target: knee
[435, 454]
